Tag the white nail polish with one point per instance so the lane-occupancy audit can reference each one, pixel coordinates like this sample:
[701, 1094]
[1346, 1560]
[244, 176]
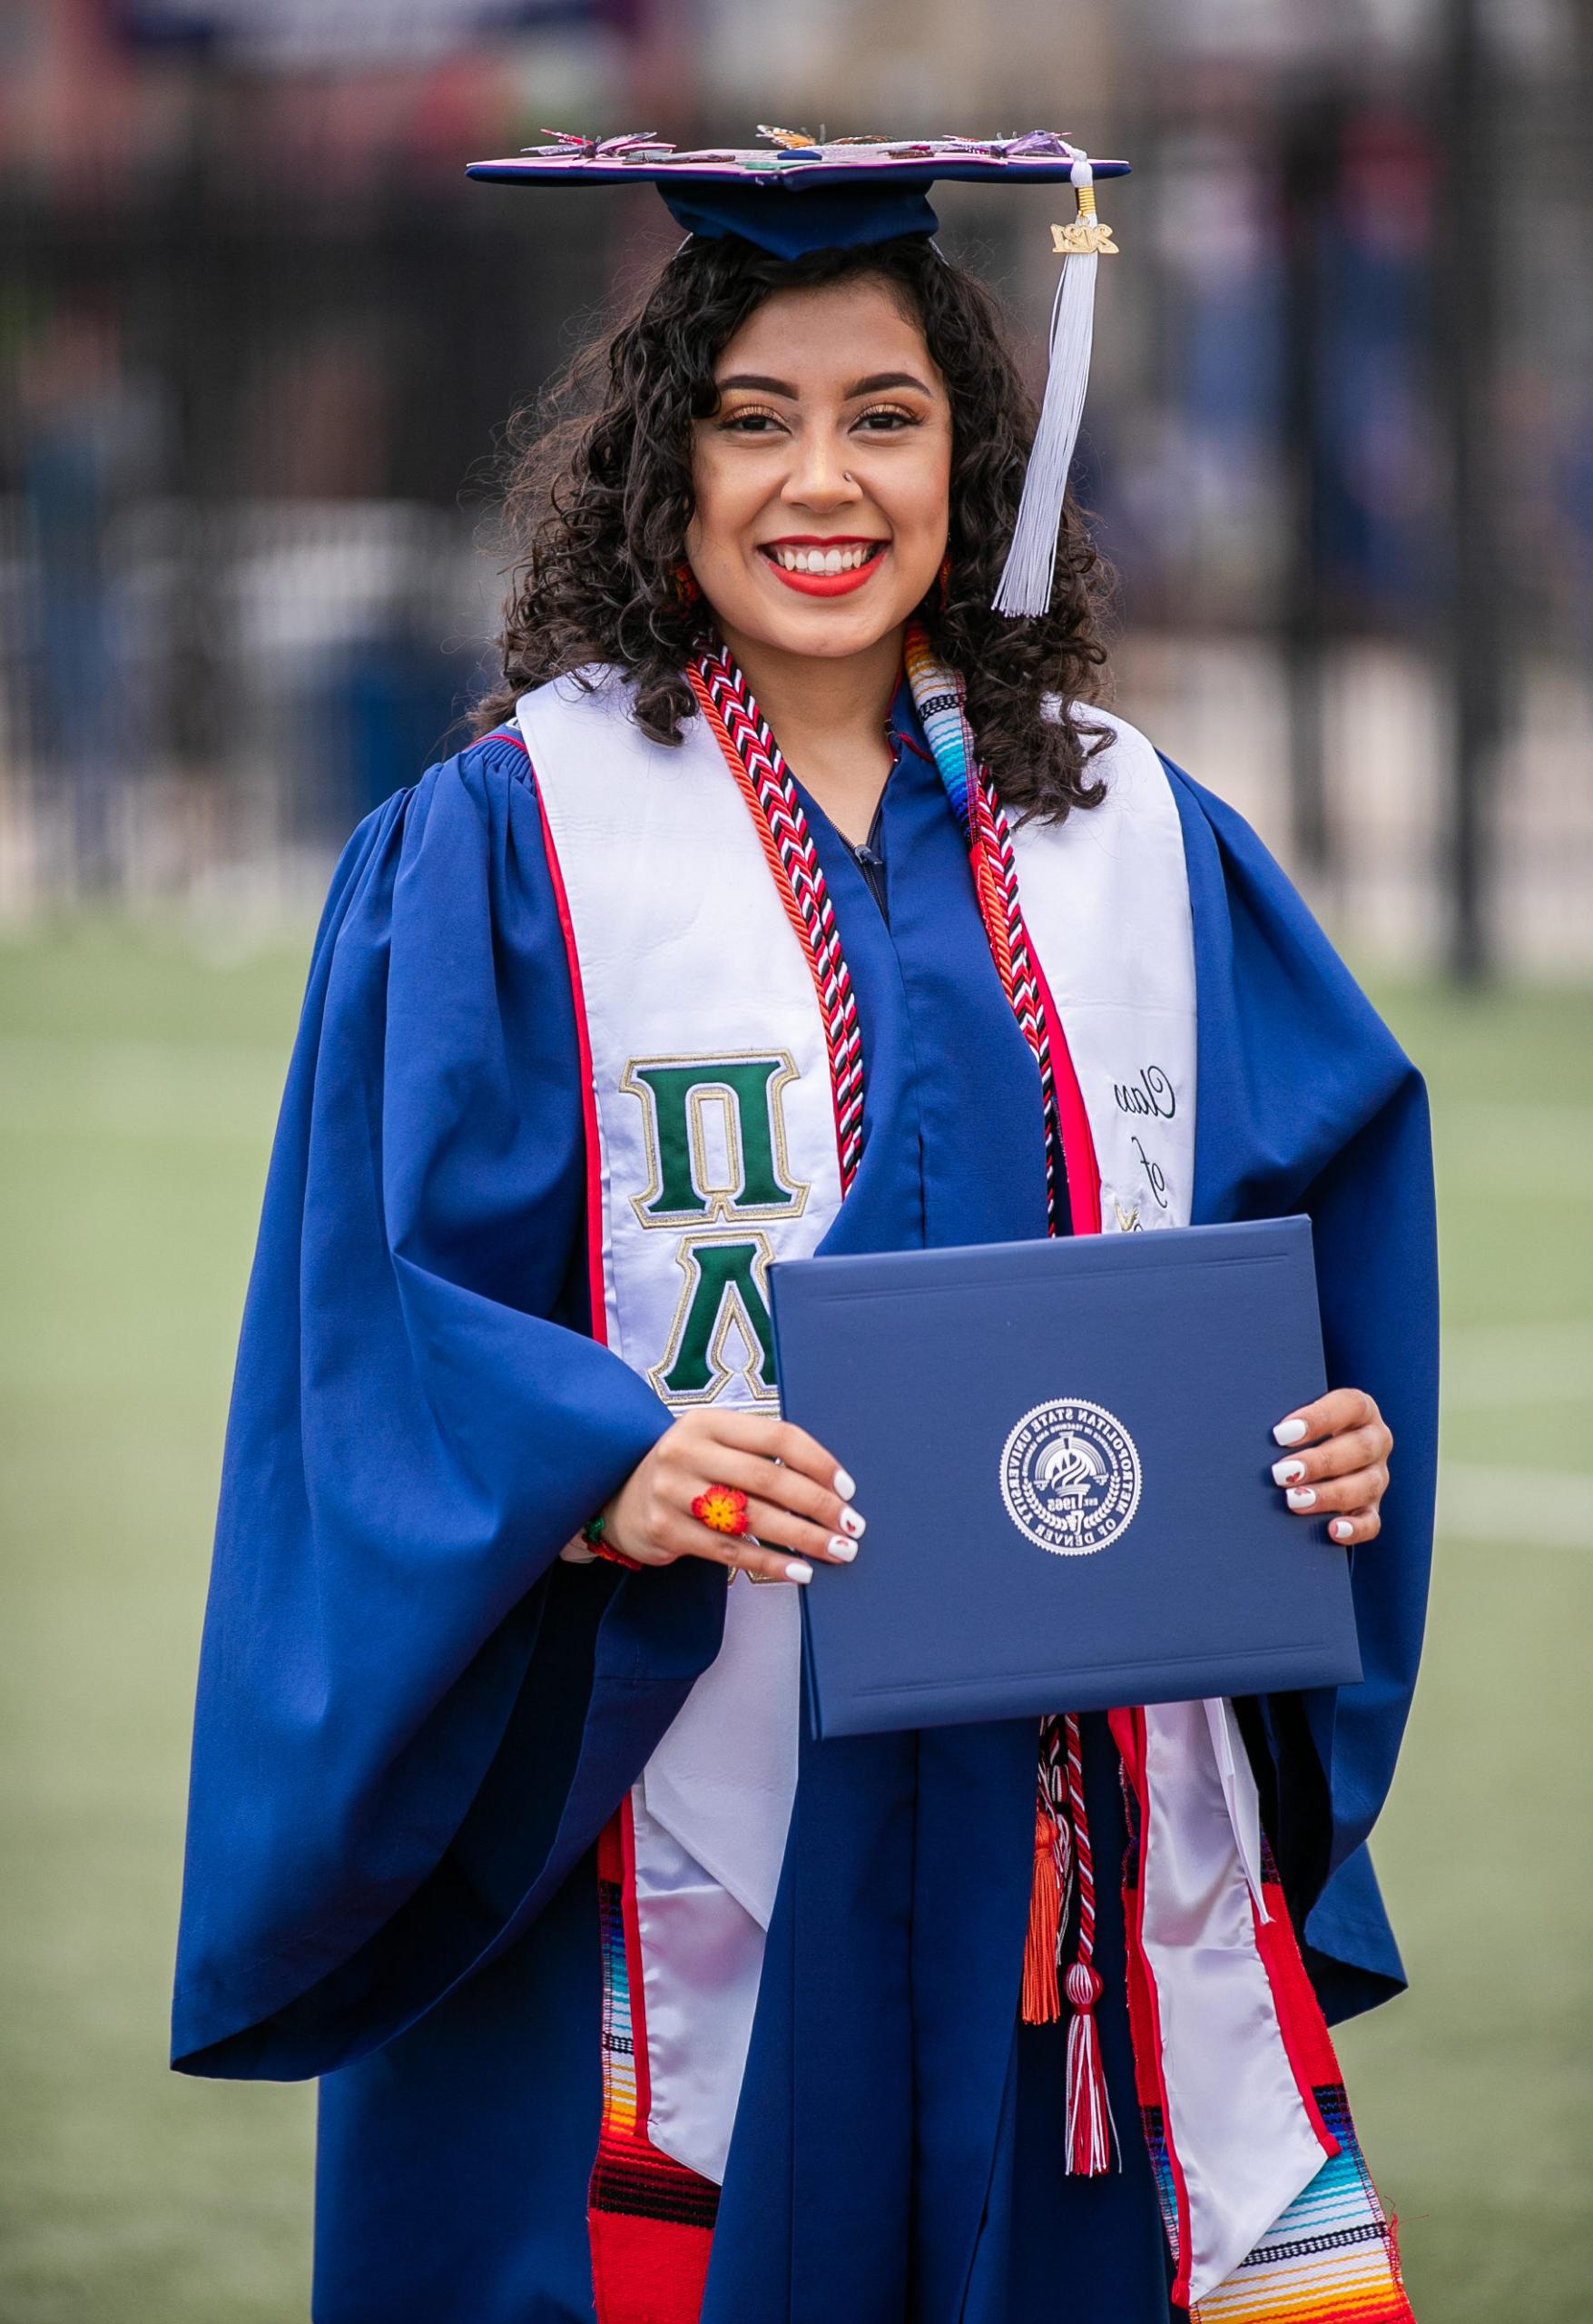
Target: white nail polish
[799, 1570]
[1288, 1431]
[1302, 1497]
[853, 1523]
[1288, 1473]
[841, 1549]
[844, 1485]
[1340, 1528]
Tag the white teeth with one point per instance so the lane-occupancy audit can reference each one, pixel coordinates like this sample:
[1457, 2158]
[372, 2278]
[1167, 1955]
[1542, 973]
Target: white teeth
[822, 560]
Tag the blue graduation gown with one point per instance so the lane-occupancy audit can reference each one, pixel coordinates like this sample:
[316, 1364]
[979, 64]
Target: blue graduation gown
[413, 1720]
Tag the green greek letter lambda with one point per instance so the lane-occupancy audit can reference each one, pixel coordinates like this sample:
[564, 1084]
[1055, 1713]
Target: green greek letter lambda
[722, 1303]
[743, 1172]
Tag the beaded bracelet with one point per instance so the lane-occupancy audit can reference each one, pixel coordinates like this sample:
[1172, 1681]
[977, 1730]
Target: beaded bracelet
[592, 1533]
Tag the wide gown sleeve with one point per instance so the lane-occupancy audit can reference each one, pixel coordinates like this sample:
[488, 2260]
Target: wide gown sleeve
[407, 1728]
[1307, 1103]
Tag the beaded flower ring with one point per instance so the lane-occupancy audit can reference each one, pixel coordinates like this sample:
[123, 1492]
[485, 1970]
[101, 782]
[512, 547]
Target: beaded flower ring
[722, 1509]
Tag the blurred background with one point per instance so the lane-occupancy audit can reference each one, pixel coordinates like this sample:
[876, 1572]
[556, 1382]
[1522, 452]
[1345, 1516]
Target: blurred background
[257, 342]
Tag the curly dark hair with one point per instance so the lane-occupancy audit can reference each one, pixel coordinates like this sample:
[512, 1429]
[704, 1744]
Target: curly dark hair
[598, 498]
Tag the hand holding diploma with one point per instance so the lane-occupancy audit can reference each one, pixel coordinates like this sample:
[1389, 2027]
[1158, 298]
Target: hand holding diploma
[1343, 1465]
[796, 1494]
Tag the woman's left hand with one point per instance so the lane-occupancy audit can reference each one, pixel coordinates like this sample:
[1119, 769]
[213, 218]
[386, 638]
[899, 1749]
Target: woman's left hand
[1337, 1464]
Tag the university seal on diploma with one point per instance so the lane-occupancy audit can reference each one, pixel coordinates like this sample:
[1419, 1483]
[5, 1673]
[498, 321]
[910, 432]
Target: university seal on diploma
[1070, 1476]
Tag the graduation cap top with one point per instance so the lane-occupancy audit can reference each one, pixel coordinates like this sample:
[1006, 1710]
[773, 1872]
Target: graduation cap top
[797, 195]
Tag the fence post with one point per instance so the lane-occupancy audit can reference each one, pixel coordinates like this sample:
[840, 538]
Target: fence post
[1473, 139]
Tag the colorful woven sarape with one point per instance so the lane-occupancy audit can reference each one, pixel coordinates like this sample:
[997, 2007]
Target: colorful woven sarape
[650, 2220]
[1333, 2257]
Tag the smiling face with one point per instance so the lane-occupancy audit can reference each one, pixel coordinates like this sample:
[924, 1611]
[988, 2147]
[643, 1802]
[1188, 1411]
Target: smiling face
[822, 479]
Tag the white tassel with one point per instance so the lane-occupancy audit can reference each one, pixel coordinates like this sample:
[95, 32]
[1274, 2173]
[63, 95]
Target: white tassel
[1025, 587]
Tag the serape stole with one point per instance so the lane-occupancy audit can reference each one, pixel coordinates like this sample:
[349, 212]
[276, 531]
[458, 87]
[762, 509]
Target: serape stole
[650, 2220]
[1333, 2257]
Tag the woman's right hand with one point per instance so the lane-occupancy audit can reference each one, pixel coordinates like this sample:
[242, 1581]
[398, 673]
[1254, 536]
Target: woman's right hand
[799, 1499]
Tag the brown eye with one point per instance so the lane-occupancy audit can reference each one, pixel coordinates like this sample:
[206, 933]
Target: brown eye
[750, 423]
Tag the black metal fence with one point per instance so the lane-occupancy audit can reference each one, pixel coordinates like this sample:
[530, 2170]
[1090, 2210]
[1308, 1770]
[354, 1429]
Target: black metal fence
[1343, 394]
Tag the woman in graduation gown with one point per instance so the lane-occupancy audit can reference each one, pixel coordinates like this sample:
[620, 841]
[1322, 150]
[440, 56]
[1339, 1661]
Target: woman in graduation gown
[805, 916]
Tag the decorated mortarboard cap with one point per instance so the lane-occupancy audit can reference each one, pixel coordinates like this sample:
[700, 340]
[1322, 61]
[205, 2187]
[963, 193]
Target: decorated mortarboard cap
[795, 194]
[798, 194]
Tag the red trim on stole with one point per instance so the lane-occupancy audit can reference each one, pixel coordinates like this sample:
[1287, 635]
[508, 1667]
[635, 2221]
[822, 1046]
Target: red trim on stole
[1307, 2042]
[1078, 1145]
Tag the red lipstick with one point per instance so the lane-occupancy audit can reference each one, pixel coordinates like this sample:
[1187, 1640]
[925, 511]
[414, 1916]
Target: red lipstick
[825, 585]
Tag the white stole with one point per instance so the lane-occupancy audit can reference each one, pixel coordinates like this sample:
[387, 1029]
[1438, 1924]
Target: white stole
[684, 960]
[683, 954]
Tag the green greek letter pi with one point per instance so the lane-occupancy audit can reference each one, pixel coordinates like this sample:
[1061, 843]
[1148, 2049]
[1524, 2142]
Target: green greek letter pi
[716, 1132]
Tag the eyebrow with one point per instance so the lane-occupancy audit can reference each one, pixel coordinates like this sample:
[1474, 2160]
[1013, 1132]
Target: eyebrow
[875, 384]
[878, 381]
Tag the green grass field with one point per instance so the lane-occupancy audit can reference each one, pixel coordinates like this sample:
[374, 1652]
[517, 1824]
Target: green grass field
[137, 1089]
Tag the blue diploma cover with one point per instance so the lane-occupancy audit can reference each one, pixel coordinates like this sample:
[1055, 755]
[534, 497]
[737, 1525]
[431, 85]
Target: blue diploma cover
[1063, 1451]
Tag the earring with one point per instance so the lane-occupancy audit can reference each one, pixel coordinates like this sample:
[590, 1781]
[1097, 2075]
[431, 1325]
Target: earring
[684, 583]
[943, 580]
